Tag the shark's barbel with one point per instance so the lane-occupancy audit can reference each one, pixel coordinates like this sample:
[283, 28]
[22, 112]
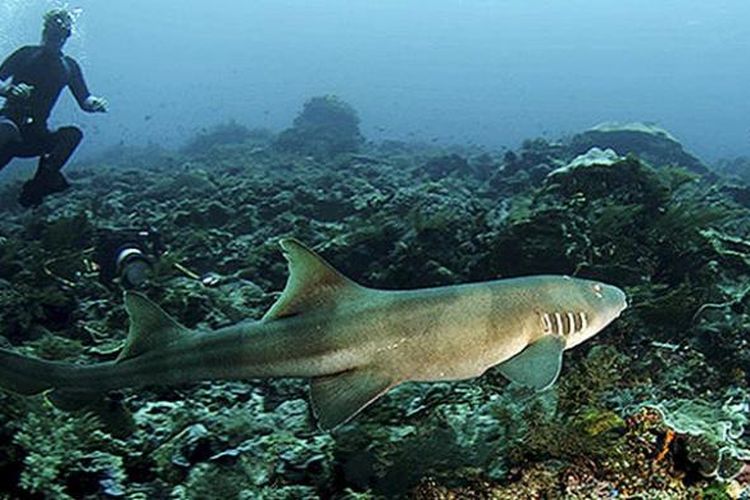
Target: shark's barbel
[354, 343]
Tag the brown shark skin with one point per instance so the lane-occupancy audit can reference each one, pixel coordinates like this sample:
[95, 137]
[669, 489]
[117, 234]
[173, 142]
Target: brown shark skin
[446, 333]
[354, 343]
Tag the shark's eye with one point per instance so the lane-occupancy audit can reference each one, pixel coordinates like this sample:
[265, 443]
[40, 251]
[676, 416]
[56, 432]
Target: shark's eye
[598, 290]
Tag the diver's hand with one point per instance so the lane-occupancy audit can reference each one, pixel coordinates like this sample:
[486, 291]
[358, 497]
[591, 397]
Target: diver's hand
[95, 104]
[22, 91]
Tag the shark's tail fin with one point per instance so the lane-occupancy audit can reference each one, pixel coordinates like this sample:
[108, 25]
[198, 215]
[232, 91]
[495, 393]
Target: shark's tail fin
[72, 387]
[29, 376]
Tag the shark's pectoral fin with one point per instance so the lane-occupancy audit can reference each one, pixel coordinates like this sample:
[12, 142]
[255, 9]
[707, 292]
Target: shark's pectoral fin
[312, 284]
[150, 327]
[537, 366]
[336, 399]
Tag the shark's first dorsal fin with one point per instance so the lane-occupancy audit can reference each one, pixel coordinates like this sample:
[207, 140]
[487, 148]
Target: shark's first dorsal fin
[312, 283]
[150, 326]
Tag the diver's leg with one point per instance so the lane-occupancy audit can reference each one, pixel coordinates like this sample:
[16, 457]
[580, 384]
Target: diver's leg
[8, 132]
[48, 179]
[5, 156]
[9, 136]
[63, 143]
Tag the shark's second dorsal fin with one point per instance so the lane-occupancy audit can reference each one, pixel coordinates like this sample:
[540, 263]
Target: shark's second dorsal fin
[150, 327]
[312, 283]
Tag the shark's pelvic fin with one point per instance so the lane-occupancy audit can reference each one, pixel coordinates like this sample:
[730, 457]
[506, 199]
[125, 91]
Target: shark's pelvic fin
[336, 399]
[312, 284]
[150, 326]
[537, 366]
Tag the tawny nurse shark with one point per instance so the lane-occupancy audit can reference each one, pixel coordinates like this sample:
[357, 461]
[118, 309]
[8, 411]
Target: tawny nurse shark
[353, 343]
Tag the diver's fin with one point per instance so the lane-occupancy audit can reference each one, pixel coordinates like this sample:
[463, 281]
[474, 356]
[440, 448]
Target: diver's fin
[312, 283]
[150, 326]
[336, 399]
[537, 366]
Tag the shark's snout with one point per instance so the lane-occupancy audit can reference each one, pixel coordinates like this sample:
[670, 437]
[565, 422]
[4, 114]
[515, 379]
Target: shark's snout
[617, 298]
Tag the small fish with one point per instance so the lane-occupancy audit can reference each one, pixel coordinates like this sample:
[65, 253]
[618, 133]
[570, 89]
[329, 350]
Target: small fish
[354, 343]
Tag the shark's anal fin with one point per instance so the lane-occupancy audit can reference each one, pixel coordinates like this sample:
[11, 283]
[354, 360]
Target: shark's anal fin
[336, 399]
[537, 366]
[312, 284]
[71, 400]
[150, 327]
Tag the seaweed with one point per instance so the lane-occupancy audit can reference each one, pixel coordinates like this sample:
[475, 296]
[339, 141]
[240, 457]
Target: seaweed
[580, 425]
[60, 450]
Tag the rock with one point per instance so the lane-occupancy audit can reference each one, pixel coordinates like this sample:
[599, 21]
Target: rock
[651, 143]
[592, 157]
[736, 167]
[739, 193]
[192, 446]
[325, 127]
[712, 435]
[602, 173]
[442, 166]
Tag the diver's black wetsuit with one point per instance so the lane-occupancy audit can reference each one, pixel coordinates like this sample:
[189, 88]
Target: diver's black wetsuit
[48, 72]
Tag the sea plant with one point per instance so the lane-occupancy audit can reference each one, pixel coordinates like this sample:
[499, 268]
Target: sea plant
[59, 447]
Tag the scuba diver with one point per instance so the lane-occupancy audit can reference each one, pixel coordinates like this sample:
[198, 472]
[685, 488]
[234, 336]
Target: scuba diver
[126, 256]
[31, 80]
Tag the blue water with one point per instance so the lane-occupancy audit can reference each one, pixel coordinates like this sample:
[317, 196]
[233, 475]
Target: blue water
[459, 71]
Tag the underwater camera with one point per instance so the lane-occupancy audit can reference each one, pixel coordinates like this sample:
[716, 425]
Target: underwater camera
[127, 255]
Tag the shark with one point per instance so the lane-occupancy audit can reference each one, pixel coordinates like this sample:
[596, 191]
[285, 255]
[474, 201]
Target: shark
[353, 343]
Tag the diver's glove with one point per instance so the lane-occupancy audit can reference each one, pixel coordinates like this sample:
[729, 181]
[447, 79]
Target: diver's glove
[94, 104]
[22, 91]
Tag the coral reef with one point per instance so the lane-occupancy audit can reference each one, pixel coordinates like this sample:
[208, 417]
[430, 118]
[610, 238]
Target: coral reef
[326, 126]
[225, 134]
[649, 142]
[639, 412]
[711, 435]
[738, 168]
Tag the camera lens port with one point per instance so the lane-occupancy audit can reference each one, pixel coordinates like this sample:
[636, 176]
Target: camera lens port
[133, 267]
